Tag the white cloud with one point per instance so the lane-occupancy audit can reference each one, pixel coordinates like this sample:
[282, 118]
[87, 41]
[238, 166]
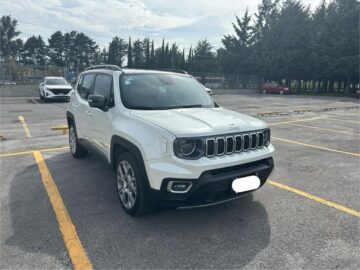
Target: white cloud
[183, 21]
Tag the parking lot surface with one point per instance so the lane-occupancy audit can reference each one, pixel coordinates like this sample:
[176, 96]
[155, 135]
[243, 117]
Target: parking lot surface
[58, 212]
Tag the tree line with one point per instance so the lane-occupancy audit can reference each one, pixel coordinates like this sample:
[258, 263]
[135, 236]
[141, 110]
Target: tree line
[280, 41]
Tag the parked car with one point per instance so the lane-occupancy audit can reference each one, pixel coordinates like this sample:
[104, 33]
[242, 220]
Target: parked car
[358, 92]
[6, 82]
[55, 88]
[166, 139]
[274, 88]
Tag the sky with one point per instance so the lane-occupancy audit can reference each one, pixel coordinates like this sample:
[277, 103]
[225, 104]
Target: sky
[184, 22]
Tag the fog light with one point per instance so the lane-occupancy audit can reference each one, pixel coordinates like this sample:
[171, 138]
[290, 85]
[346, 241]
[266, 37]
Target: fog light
[179, 187]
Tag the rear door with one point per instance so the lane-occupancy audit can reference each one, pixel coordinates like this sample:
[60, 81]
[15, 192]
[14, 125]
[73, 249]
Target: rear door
[81, 105]
[101, 120]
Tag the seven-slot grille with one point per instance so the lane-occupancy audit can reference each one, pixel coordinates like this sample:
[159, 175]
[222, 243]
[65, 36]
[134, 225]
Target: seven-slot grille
[225, 145]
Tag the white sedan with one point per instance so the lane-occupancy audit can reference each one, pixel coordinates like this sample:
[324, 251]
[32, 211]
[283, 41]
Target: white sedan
[55, 88]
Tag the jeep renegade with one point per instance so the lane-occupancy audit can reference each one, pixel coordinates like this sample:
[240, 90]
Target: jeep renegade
[168, 142]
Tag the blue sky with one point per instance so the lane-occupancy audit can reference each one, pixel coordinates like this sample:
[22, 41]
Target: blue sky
[183, 22]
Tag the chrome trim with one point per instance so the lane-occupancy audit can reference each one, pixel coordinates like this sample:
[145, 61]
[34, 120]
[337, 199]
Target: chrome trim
[170, 184]
[214, 203]
[233, 141]
[207, 146]
[217, 148]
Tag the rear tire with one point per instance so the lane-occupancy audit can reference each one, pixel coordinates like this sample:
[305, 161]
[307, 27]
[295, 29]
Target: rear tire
[281, 92]
[77, 150]
[131, 186]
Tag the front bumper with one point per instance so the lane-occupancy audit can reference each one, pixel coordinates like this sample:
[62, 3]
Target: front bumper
[213, 186]
[51, 95]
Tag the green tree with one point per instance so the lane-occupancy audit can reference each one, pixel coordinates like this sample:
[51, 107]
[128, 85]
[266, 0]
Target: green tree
[146, 43]
[34, 51]
[56, 49]
[204, 58]
[129, 55]
[117, 51]
[138, 54]
[237, 51]
[152, 55]
[9, 46]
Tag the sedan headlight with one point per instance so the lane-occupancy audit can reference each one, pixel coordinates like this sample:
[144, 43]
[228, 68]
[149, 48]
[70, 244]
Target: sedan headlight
[188, 148]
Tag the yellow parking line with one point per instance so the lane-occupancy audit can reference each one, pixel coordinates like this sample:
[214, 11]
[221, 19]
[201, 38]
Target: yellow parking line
[294, 121]
[342, 120]
[25, 127]
[340, 114]
[326, 129]
[315, 146]
[72, 242]
[316, 198]
[31, 151]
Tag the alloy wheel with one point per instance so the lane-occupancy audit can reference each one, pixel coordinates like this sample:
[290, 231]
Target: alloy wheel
[126, 184]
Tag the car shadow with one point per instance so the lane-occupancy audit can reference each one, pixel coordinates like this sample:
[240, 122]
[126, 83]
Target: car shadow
[228, 235]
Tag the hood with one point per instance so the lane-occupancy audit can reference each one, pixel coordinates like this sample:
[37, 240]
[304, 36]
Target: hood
[200, 121]
[58, 86]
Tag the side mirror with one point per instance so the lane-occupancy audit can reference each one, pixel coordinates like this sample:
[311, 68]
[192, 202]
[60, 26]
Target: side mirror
[42, 84]
[97, 101]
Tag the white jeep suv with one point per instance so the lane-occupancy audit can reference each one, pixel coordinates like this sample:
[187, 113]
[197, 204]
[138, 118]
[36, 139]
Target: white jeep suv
[168, 142]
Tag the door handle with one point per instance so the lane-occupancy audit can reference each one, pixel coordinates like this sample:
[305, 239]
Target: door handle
[89, 113]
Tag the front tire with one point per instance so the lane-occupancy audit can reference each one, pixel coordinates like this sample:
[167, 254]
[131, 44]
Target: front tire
[131, 186]
[264, 91]
[77, 150]
[281, 92]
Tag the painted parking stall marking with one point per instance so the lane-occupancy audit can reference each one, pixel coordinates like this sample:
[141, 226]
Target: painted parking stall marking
[25, 127]
[316, 198]
[72, 242]
[315, 146]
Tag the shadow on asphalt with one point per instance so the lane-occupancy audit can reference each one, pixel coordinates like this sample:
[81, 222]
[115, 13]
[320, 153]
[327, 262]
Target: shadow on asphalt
[35, 229]
[229, 235]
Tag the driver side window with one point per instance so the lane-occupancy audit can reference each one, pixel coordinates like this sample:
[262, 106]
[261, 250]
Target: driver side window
[85, 87]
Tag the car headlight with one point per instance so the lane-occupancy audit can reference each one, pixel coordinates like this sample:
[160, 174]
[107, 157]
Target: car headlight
[188, 148]
[267, 137]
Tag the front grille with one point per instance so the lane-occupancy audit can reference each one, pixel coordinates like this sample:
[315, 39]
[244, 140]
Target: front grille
[236, 143]
[60, 91]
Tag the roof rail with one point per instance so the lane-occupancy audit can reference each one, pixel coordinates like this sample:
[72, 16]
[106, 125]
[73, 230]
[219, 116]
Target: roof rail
[174, 70]
[112, 67]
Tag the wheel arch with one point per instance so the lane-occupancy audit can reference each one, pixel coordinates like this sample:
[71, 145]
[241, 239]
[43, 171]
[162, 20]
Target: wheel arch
[120, 145]
[70, 118]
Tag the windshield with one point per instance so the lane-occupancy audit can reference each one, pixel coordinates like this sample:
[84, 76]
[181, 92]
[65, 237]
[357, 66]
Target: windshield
[159, 91]
[56, 81]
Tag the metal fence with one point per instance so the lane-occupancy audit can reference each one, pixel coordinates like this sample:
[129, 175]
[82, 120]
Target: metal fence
[14, 73]
[236, 81]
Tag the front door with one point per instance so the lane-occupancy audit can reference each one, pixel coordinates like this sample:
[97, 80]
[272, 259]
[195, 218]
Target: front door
[101, 120]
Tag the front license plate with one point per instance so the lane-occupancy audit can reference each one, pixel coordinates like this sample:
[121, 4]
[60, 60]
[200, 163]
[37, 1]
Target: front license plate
[245, 183]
